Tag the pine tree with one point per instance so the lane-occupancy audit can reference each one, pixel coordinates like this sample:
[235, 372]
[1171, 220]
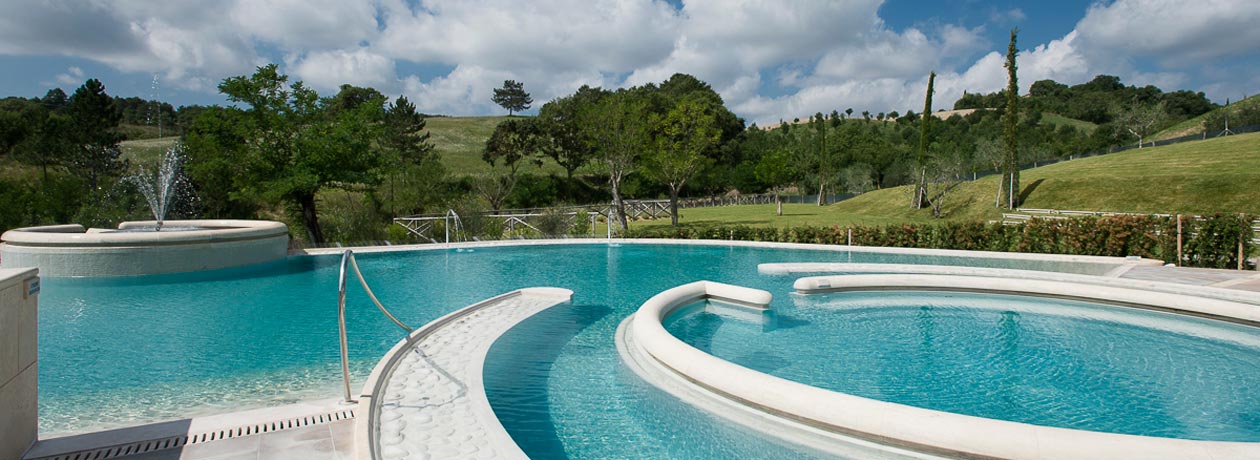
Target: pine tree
[512, 96]
[95, 120]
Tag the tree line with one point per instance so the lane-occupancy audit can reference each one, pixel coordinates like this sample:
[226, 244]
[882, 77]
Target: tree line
[282, 148]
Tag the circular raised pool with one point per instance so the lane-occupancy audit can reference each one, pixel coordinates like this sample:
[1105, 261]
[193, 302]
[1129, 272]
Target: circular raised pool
[145, 247]
[1037, 360]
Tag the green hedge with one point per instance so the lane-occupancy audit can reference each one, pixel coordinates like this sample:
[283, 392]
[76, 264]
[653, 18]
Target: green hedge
[1214, 242]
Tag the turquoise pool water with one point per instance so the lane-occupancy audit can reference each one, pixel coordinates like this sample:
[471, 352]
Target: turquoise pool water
[122, 351]
[1028, 359]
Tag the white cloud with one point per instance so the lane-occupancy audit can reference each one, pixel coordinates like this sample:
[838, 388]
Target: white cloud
[1173, 32]
[306, 24]
[73, 76]
[328, 70]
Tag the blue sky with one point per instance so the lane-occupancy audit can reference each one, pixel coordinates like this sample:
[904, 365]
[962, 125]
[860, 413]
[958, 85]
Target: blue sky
[769, 60]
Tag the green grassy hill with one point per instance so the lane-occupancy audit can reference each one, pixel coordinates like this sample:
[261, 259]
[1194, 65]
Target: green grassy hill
[1213, 176]
[146, 151]
[1195, 125]
[1056, 119]
[460, 141]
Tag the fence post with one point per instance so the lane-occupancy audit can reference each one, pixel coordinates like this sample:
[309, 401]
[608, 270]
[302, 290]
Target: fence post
[1243, 234]
[1178, 240]
[850, 237]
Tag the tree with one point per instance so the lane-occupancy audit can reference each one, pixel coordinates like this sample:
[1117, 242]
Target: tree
[215, 143]
[403, 132]
[405, 141]
[350, 97]
[512, 142]
[296, 145]
[617, 130]
[822, 157]
[685, 134]
[512, 96]
[773, 169]
[48, 146]
[925, 135]
[1139, 120]
[95, 120]
[948, 168]
[1010, 128]
[55, 100]
[560, 121]
[857, 178]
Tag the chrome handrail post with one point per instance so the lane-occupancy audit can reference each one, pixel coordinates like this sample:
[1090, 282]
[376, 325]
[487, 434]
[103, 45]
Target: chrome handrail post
[341, 322]
[348, 262]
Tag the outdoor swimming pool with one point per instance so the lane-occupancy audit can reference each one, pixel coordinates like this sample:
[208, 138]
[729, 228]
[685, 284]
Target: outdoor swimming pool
[123, 351]
[1036, 360]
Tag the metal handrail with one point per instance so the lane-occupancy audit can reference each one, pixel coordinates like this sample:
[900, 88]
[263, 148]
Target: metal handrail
[347, 259]
[459, 225]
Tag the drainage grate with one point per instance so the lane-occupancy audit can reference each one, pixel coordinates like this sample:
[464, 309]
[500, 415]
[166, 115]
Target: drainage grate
[172, 442]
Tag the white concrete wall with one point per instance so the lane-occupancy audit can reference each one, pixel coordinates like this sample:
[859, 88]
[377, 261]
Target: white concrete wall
[19, 403]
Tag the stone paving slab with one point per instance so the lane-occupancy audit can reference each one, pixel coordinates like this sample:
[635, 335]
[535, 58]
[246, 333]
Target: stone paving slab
[1186, 275]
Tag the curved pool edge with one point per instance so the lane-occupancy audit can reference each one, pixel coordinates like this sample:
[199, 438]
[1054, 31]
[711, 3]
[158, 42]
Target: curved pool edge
[463, 374]
[824, 444]
[740, 243]
[848, 269]
[900, 426]
[1177, 303]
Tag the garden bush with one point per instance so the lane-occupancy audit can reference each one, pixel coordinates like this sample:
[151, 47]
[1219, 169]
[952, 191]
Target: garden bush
[1212, 241]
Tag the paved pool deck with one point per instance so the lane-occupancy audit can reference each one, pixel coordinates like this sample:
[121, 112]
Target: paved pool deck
[331, 441]
[1228, 279]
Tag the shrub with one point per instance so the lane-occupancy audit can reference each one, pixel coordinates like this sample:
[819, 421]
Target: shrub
[1215, 241]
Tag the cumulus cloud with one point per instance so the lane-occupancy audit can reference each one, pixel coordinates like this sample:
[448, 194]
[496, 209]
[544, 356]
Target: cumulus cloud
[328, 70]
[73, 76]
[1174, 32]
[769, 60]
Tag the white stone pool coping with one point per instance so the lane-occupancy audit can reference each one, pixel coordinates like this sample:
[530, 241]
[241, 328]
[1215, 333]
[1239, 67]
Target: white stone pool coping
[426, 397]
[811, 283]
[916, 429]
[738, 243]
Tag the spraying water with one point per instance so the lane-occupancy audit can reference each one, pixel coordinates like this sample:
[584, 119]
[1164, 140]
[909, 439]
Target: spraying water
[160, 188]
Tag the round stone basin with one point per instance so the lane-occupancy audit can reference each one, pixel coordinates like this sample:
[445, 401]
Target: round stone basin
[135, 248]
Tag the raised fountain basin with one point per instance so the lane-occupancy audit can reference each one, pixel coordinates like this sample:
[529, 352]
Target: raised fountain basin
[72, 250]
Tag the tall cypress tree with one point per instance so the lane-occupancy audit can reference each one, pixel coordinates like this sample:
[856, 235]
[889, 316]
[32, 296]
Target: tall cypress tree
[920, 190]
[1010, 127]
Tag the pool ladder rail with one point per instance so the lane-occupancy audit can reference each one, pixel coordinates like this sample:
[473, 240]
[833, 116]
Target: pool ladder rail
[348, 261]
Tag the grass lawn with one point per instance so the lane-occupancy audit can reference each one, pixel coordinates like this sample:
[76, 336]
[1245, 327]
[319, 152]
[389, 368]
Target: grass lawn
[1214, 176]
